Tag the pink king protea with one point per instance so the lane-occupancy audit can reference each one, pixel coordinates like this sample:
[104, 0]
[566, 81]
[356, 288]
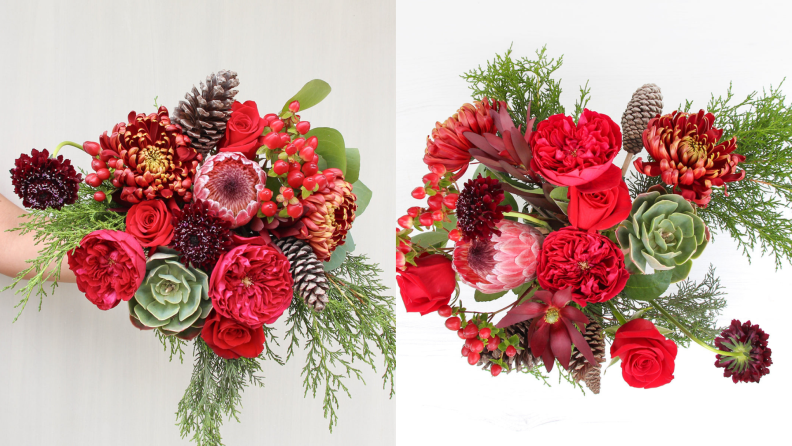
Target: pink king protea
[502, 263]
[229, 183]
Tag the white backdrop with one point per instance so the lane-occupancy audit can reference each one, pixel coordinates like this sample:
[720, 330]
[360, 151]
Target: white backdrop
[74, 375]
[690, 49]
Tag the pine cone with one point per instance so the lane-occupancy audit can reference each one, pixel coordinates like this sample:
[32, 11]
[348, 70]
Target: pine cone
[579, 365]
[646, 103]
[523, 358]
[204, 114]
[309, 277]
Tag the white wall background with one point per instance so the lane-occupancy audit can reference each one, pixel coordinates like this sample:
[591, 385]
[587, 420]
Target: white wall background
[71, 374]
[690, 49]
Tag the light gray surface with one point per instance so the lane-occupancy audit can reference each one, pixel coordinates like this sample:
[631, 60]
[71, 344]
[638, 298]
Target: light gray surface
[72, 374]
[690, 49]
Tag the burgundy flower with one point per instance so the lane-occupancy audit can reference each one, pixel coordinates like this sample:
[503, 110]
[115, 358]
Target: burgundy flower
[749, 340]
[43, 182]
[555, 326]
[479, 209]
[200, 235]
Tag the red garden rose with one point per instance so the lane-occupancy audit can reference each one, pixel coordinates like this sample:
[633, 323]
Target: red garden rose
[109, 265]
[230, 340]
[589, 263]
[150, 223]
[647, 357]
[570, 155]
[251, 284]
[428, 285]
[600, 204]
[244, 130]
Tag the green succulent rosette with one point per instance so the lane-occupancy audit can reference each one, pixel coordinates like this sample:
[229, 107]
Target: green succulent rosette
[174, 298]
[662, 232]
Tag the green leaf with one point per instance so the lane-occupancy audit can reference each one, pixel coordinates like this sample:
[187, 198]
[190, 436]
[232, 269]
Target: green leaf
[509, 199]
[484, 297]
[331, 147]
[681, 271]
[309, 95]
[353, 164]
[559, 195]
[647, 286]
[363, 194]
[430, 239]
[613, 361]
[349, 243]
[663, 331]
[336, 259]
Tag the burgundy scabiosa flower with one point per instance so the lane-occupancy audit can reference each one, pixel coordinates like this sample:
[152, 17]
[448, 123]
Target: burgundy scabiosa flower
[229, 183]
[201, 235]
[503, 262]
[749, 340]
[43, 182]
[479, 209]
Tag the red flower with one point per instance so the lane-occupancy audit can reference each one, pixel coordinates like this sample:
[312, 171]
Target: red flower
[749, 340]
[43, 182]
[589, 263]
[479, 208]
[251, 284]
[109, 265]
[230, 340]
[150, 223]
[647, 357]
[244, 130]
[600, 204]
[569, 155]
[555, 326]
[428, 285]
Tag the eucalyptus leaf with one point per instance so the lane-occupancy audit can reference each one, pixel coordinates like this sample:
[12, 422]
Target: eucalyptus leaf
[647, 286]
[363, 194]
[484, 297]
[353, 164]
[336, 259]
[330, 147]
[309, 95]
[430, 239]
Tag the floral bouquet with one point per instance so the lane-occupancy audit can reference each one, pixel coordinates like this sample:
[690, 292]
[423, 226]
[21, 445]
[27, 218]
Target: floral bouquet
[211, 225]
[582, 257]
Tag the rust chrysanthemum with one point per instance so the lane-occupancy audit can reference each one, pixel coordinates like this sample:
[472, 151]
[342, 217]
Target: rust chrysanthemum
[479, 209]
[157, 160]
[329, 214]
[750, 342]
[690, 155]
[201, 235]
[448, 146]
[43, 182]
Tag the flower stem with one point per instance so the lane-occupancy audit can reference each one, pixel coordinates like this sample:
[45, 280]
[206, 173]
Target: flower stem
[529, 218]
[65, 143]
[687, 333]
[619, 317]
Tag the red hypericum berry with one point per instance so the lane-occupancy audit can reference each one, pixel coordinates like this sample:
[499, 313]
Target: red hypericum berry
[485, 333]
[419, 193]
[473, 358]
[493, 343]
[405, 221]
[92, 180]
[295, 179]
[476, 345]
[103, 174]
[269, 117]
[445, 311]
[450, 201]
[310, 169]
[437, 169]
[330, 176]
[459, 333]
[454, 235]
[99, 196]
[320, 180]
[438, 215]
[287, 193]
[453, 323]
[496, 369]
[294, 107]
[299, 143]
[91, 148]
[291, 149]
[272, 140]
[435, 202]
[295, 167]
[404, 246]
[295, 210]
[432, 179]
[265, 195]
[285, 139]
[269, 208]
[280, 167]
[413, 211]
[511, 351]
[468, 342]
[309, 183]
[119, 164]
[116, 183]
[401, 260]
[465, 351]
[303, 127]
[276, 125]
[97, 164]
[312, 142]
[426, 219]
[112, 162]
[471, 330]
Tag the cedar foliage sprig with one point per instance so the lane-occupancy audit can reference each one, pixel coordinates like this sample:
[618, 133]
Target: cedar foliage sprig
[756, 210]
[59, 231]
[357, 317]
[524, 81]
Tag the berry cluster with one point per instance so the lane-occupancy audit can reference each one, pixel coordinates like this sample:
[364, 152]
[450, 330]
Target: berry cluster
[101, 164]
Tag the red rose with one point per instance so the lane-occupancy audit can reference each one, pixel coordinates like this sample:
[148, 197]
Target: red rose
[150, 222]
[109, 265]
[600, 204]
[647, 357]
[229, 339]
[570, 155]
[244, 130]
[427, 286]
[589, 263]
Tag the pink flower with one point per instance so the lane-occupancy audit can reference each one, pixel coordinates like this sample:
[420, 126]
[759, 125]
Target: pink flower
[109, 265]
[230, 183]
[502, 263]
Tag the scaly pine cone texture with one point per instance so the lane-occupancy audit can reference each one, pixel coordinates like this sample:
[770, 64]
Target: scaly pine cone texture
[204, 114]
[523, 358]
[646, 103]
[582, 369]
[309, 277]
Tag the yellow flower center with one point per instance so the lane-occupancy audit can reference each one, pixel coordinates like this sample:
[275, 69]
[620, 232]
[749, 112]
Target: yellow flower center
[247, 281]
[583, 265]
[552, 315]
